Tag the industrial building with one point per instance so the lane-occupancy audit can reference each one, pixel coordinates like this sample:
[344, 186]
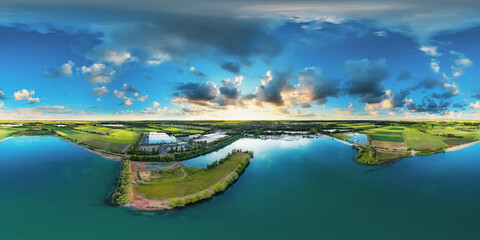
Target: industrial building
[155, 138]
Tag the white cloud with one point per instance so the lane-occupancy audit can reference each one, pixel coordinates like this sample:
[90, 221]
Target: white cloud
[1, 104]
[434, 66]
[100, 91]
[98, 73]
[118, 57]
[158, 59]
[63, 71]
[119, 94]
[24, 94]
[430, 50]
[127, 102]
[475, 105]
[380, 33]
[141, 98]
[461, 63]
[155, 104]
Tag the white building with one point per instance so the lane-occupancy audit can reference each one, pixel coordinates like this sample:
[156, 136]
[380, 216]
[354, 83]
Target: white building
[154, 137]
[209, 138]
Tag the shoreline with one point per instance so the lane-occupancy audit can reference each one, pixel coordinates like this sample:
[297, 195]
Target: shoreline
[460, 147]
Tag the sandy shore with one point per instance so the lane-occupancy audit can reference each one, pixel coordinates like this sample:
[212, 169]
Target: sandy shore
[460, 147]
[5, 139]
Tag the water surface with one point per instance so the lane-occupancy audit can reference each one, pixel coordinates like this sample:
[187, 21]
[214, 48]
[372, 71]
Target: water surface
[304, 189]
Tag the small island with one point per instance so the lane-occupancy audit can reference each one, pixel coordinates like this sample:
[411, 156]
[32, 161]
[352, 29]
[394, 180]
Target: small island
[160, 186]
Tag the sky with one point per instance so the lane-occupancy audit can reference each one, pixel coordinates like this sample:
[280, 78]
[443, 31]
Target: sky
[239, 60]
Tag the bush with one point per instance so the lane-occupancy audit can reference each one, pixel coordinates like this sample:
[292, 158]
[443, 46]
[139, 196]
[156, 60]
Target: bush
[176, 202]
[124, 185]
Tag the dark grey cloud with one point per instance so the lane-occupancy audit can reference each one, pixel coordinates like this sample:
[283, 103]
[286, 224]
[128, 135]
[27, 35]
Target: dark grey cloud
[3, 96]
[229, 89]
[197, 92]
[273, 84]
[399, 98]
[430, 83]
[460, 105]
[446, 95]
[127, 88]
[366, 79]
[429, 105]
[231, 66]
[404, 75]
[476, 94]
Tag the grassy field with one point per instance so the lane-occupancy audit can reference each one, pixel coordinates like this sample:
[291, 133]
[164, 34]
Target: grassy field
[423, 141]
[7, 132]
[386, 134]
[194, 182]
[109, 139]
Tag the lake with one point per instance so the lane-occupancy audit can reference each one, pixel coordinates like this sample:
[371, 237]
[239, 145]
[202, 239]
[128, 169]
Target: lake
[303, 189]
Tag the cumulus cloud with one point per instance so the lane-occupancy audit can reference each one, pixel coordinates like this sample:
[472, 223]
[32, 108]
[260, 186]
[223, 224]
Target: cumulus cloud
[428, 105]
[63, 71]
[117, 57]
[273, 84]
[155, 104]
[141, 98]
[366, 79]
[98, 73]
[128, 89]
[475, 105]
[100, 91]
[229, 88]
[391, 101]
[314, 87]
[127, 102]
[199, 93]
[229, 92]
[24, 94]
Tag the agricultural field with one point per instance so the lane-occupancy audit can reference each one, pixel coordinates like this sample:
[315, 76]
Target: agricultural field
[185, 181]
[110, 139]
[387, 137]
[420, 141]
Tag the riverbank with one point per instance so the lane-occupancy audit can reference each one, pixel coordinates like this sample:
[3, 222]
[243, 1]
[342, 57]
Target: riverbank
[181, 186]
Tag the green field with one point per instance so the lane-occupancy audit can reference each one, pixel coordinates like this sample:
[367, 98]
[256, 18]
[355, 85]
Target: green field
[386, 138]
[423, 141]
[7, 132]
[195, 182]
[109, 139]
[386, 134]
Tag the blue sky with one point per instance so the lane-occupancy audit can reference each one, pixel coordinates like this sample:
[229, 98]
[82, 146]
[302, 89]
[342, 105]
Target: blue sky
[239, 60]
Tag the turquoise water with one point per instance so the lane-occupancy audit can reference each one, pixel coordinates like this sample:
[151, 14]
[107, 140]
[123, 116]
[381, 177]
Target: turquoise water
[305, 189]
[358, 138]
